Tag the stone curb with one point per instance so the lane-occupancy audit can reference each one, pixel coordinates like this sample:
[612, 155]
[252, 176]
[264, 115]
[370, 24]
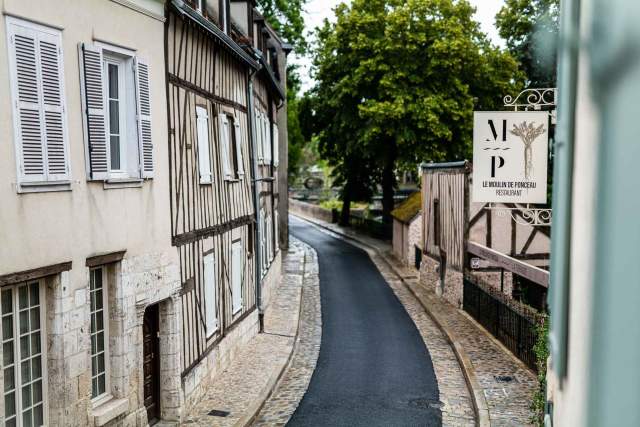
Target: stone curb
[480, 406]
[254, 410]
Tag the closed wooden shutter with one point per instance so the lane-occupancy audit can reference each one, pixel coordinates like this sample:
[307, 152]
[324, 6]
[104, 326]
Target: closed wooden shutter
[211, 315]
[258, 126]
[36, 66]
[57, 156]
[238, 147]
[267, 140]
[143, 93]
[237, 275]
[93, 99]
[276, 143]
[204, 159]
[223, 131]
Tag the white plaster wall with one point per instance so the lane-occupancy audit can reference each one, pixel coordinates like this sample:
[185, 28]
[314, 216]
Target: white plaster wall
[46, 228]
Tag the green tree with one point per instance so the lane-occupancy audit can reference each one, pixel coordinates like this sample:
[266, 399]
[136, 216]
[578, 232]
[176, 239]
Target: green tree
[285, 16]
[398, 81]
[530, 28]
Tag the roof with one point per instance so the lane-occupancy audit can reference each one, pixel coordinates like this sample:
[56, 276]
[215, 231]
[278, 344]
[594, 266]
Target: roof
[408, 209]
[218, 35]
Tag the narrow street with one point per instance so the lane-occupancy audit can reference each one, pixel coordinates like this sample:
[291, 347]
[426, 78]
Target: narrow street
[373, 368]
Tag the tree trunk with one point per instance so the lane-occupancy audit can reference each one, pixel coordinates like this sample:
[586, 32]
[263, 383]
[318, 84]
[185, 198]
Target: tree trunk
[345, 214]
[389, 181]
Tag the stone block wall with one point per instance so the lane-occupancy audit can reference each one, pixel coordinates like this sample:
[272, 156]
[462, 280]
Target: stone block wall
[414, 239]
[452, 288]
[132, 285]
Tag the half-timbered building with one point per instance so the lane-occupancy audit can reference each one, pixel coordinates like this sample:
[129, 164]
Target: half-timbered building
[221, 125]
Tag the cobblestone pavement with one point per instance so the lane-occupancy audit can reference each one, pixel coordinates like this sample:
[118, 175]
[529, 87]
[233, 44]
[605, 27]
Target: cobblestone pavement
[295, 381]
[508, 402]
[242, 384]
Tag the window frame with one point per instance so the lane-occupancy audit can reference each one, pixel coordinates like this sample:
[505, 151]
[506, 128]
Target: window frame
[17, 357]
[123, 113]
[43, 182]
[106, 395]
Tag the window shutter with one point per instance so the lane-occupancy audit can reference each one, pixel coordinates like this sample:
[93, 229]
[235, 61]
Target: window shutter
[238, 147]
[276, 143]
[267, 140]
[55, 126]
[258, 126]
[93, 100]
[38, 93]
[204, 159]
[223, 129]
[262, 241]
[143, 93]
[237, 272]
[211, 315]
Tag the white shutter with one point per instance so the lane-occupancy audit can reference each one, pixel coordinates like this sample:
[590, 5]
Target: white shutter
[263, 239]
[237, 273]
[55, 123]
[238, 147]
[35, 57]
[204, 159]
[258, 125]
[276, 144]
[94, 109]
[276, 228]
[267, 140]
[211, 315]
[143, 93]
[223, 130]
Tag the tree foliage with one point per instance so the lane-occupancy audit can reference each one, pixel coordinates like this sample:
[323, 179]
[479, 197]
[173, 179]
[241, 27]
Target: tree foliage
[398, 81]
[285, 16]
[530, 28]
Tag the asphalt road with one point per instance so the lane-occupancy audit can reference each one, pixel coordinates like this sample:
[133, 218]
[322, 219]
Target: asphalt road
[373, 368]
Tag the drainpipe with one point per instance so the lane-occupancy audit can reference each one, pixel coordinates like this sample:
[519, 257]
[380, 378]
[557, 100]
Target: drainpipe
[256, 200]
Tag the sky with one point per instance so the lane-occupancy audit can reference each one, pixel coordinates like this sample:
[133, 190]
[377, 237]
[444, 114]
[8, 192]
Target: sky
[318, 10]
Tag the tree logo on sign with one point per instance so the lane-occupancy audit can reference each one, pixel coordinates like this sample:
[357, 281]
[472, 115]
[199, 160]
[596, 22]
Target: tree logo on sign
[528, 133]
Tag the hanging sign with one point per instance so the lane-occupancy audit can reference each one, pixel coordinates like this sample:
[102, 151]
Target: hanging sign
[510, 156]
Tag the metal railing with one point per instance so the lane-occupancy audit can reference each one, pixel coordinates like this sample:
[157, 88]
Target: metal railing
[504, 319]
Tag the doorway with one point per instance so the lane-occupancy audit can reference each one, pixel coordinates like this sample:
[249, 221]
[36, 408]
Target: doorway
[151, 363]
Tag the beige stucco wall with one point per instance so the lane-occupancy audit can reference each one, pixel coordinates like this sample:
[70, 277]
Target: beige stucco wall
[41, 229]
[46, 228]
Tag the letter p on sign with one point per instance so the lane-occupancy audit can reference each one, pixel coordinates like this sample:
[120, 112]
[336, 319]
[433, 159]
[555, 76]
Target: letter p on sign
[500, 163]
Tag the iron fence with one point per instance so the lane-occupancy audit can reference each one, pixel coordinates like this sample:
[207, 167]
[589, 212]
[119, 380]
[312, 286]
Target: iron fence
[515, 328]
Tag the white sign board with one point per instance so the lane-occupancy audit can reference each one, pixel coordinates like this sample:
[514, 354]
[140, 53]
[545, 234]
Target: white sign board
[510, 156]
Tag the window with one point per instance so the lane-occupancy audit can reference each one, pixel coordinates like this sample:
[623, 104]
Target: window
[39, 113]
[259, 143]
[237, 275]
[266, 139]
[204, 159]
[231, 146]
[23, 360]
[276, 139]
[99, 333]
[117, 119]
[263, 253]
[211, 315]
[116, 114]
